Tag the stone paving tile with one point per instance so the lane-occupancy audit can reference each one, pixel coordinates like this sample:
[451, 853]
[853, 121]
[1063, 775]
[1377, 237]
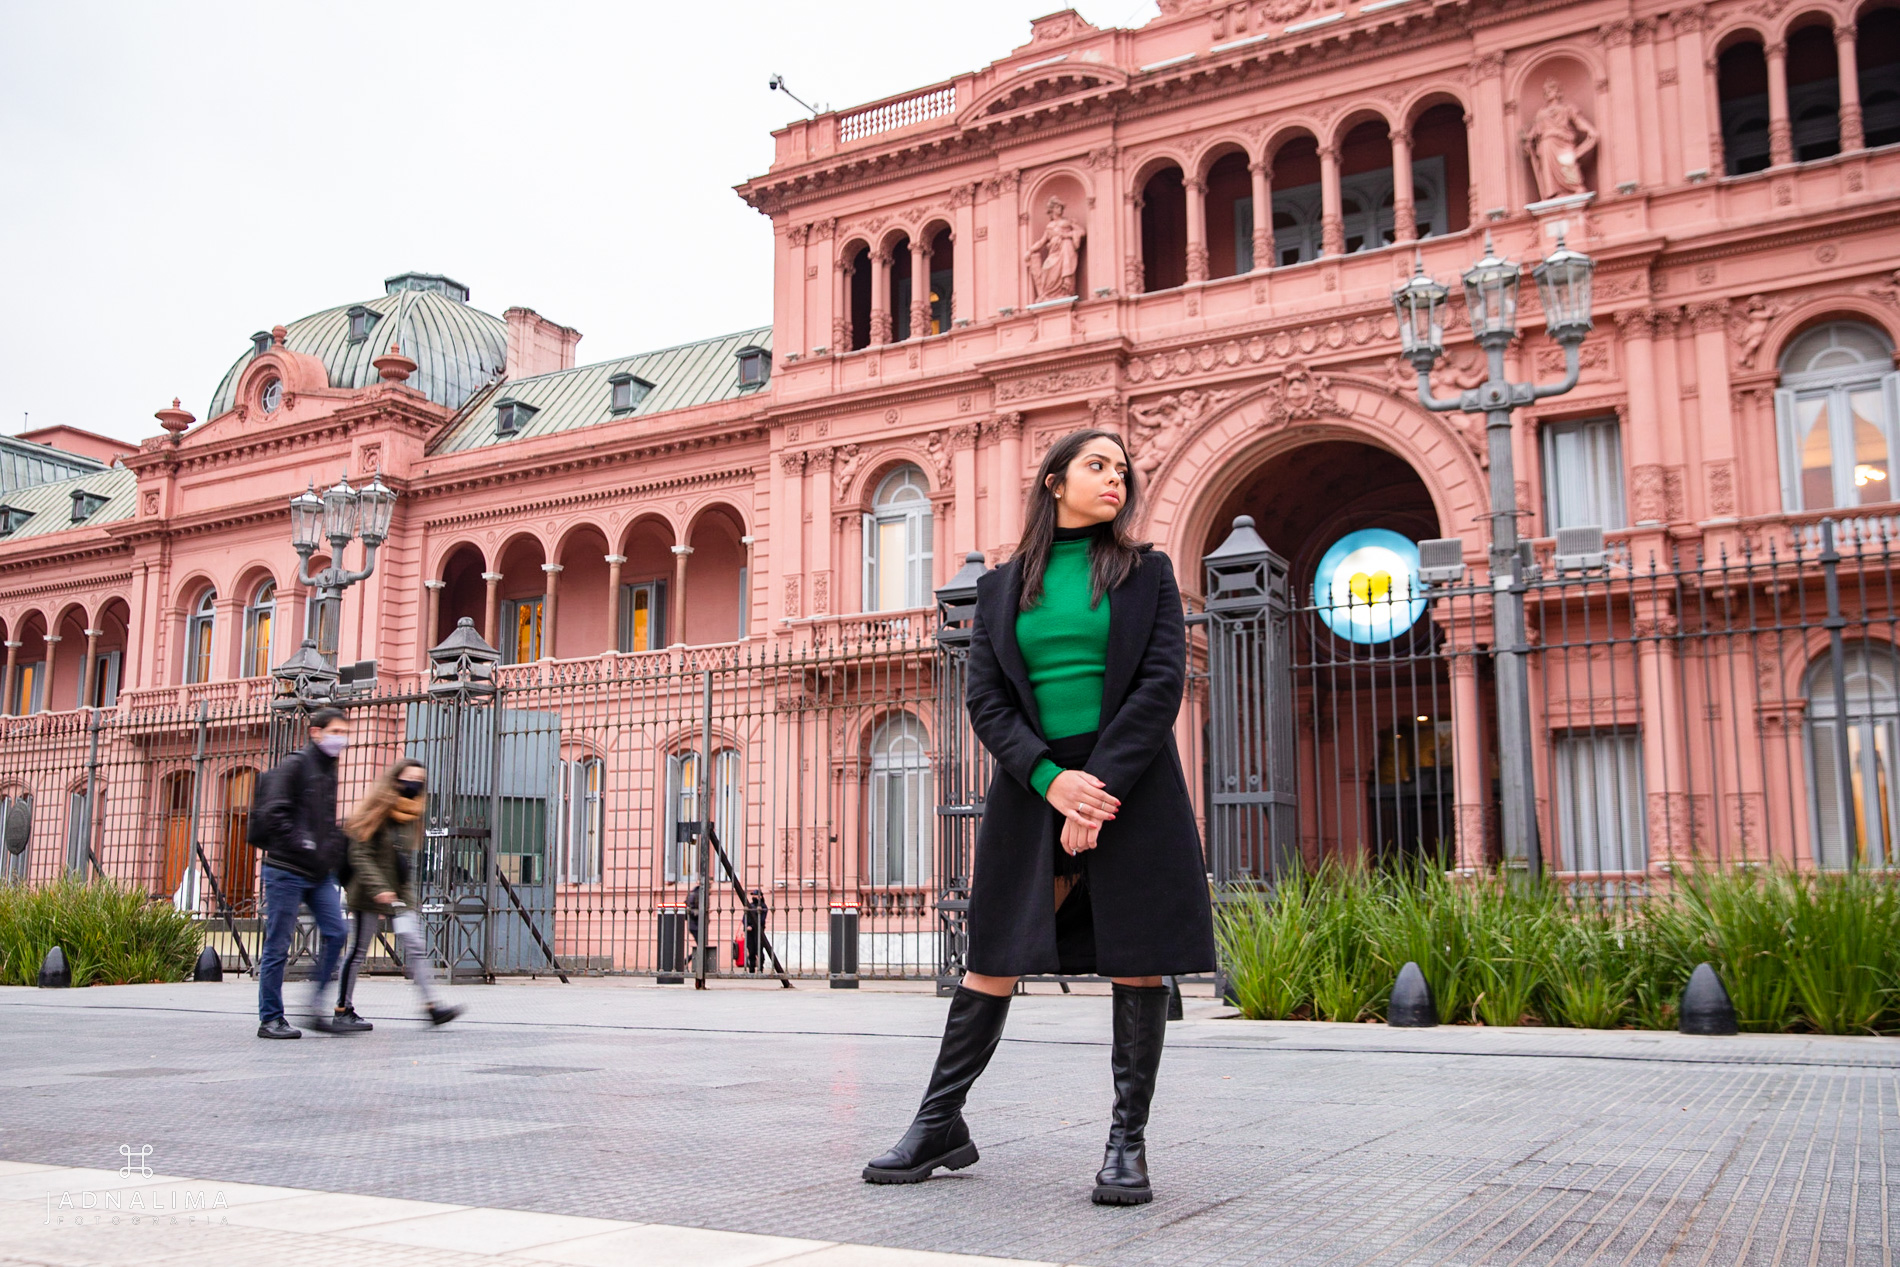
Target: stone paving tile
[753, 1110]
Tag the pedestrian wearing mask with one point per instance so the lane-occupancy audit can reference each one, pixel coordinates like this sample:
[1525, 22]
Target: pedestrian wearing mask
[385, 830]
[295, 825]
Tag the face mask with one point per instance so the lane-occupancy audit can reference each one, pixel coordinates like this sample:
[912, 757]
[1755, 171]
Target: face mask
[333, 745]
[410, 788]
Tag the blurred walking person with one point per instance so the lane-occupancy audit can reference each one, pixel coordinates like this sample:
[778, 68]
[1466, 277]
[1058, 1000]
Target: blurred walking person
[295, 825]
[385, 830]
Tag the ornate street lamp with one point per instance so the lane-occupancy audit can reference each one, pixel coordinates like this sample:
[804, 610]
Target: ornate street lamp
[339, 515]
[1491, 292]
[306, 680]
[462, 665]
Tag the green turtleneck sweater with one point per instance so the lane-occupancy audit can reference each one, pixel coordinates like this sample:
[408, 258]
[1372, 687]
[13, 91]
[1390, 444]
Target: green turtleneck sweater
[1064, 641]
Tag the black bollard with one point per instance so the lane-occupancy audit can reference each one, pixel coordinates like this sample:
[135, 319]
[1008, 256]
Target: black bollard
[55, 972]
[1412, 1006]
[1705, 1007]
[210, 966]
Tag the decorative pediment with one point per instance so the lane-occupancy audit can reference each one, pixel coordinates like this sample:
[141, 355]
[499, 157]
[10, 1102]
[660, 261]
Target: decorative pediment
[1041, 86]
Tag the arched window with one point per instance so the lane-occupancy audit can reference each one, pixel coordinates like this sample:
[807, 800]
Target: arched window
[857, 286]
[1741, 88]
[198, 630]
[1164, 230]
[175, 796]
[260, 619]
[1877, 55]
[83, 813]
[897, 543]
[237, 874]
[583, 819]
[1835, 416]
[682, 806]
[898, 805]
[1858, 811]
[16, 834]
[1814, 93]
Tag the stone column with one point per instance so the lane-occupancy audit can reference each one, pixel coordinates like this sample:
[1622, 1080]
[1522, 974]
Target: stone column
[1853, 135]
[1196, 229]
[430, 635]
[963, 474]
[1485, 131]
[1332, 220]
[491, 608]
[613, 600]
[677, 608]
[552, 571]
[796, 296]
[824, 546]
[1665, 766]
[1716, 426]
[1622, 166]
[1699, 139]
[1642, 438]
[1468, 768]
[1780, 129]
[1649, 130]
[1009, 483]
[1404, 212]
[52, 641]
[6, 688]
[1262, 216]
[788, 522]
[919, 288]
[841, 307]
[1135, 281]
[880, 296]
[90, 671]
[963, 257]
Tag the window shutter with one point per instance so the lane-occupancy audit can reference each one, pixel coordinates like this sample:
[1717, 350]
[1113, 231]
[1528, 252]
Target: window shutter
[1890, 399]
[1789, 446]
[868, 599]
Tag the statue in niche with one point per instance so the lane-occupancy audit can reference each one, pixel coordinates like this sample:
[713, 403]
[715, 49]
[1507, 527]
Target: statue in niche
[1558, 141]
[1052, 260]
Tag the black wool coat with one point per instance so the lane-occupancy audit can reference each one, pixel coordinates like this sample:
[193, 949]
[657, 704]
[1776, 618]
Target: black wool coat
[1144, 898]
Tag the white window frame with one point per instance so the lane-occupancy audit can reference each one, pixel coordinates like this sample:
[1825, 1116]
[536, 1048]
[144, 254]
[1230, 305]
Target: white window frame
[1597, 800]
[656, 615]
[510, 618]
[263, 604]
[899, 782]
[201, 646]
[583, 825]
[1599, 468]
[1835, 387]
[1873, 720]
[902, 497]
[682, 806]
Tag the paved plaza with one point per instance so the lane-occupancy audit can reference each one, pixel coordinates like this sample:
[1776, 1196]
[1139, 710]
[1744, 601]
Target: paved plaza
[729, 1126]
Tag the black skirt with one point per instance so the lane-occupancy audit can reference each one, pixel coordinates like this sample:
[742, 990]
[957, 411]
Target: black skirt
[1075, 918]
[1071, 752]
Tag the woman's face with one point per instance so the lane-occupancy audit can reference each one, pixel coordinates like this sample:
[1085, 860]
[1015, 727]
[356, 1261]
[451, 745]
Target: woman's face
[1094, 488]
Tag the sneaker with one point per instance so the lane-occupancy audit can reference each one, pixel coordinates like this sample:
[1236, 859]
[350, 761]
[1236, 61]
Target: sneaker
[348, 1022]
[323, 1023]
[278, 1027]
[443, 1013]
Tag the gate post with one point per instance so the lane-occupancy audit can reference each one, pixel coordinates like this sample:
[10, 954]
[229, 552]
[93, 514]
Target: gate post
[461, 675]
[961, 771]
[1253, 813]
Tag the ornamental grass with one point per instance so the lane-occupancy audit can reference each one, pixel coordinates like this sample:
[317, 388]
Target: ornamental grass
[111, 935]
[1798, 952]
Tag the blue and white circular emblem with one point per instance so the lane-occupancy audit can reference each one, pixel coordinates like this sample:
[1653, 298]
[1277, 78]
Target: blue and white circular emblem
[1367, 589]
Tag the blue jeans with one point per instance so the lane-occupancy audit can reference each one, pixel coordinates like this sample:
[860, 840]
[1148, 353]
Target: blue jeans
[284, 893]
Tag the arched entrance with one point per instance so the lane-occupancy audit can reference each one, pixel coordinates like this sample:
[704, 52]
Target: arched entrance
[1384, 683]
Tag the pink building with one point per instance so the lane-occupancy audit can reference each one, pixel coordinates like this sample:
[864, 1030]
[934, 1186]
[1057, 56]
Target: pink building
[1189, 231]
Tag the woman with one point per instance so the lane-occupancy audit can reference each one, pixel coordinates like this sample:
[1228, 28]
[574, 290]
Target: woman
[384, 829]
[1087, 859]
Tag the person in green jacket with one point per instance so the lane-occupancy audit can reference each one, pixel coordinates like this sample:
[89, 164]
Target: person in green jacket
[384, 831]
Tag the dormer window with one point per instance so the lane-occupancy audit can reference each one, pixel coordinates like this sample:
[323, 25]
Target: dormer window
[511, 416]
[85, 505]
[260, 343]
[362, 321]
[628, 392]
[755, 366]
[11, 519]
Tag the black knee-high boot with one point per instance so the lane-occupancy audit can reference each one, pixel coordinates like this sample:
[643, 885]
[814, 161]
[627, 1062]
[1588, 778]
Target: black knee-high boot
[1141, 1025]
[937, 1136]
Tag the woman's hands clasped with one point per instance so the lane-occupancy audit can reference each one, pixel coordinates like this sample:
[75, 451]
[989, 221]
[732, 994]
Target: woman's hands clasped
[1085, 804]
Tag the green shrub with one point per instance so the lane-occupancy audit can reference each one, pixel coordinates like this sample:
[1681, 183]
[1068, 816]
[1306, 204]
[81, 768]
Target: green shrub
[111, 935]
[1795, 951]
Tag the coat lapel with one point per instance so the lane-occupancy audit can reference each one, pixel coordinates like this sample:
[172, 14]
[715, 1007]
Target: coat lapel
[1131, 612]
[1002, 624]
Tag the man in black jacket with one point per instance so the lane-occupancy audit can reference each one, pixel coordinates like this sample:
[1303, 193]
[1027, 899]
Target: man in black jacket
[303, 848]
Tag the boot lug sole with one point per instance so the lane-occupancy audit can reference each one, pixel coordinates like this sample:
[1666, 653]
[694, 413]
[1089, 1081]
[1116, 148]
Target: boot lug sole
[1110, 1194]
[956, 1159]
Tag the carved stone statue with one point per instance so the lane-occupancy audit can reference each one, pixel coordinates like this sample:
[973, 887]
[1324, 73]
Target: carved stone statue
[1750, 328]
[1052, 260]
[1558, 141]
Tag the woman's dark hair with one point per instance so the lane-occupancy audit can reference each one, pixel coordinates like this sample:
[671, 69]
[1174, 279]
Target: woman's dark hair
[1113, 554]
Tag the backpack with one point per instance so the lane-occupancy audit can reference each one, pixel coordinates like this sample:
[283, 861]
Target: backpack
[256, 835]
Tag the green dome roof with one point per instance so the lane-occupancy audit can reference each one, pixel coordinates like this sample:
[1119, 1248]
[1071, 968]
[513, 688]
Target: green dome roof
[458, 350]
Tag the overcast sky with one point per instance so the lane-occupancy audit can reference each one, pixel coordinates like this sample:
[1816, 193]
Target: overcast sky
[179, 175]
